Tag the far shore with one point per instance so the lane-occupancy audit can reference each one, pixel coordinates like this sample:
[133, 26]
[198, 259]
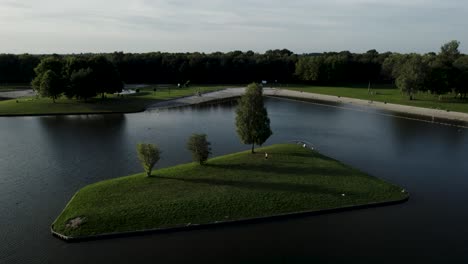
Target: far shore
[418, 113]
[364, 104]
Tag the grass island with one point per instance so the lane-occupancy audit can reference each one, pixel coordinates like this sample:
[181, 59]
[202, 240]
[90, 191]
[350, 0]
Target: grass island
[228, 188]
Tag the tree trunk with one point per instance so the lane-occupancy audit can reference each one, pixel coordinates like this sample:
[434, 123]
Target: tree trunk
[253, 150]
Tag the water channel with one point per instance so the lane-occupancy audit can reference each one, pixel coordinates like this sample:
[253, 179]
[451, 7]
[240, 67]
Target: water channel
[45, 160]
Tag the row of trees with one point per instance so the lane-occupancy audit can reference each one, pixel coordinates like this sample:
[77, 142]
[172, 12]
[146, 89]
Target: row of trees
[446, 71]
[18, 68]
[333, 68]
[231, 67]
[76, 77]
[253, 127]
[158, 67]
[440, 72]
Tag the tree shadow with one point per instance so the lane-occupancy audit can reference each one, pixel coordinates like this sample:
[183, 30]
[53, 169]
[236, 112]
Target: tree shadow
[311, 154]
[278, 170]
[264, 186]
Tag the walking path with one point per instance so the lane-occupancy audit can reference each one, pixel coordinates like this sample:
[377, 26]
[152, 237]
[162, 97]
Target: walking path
[16, 94]
[195, 99]
[236, 92]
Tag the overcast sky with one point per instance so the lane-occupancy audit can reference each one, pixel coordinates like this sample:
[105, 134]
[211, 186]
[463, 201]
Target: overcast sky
[303, 26]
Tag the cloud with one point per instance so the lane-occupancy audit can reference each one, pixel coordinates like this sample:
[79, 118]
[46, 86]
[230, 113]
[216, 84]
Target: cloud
[207, 25]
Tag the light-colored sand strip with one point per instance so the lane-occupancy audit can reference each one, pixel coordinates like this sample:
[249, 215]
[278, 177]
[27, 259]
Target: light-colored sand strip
[236, 92]
[372, 104]
[195, 99]
[17, 94]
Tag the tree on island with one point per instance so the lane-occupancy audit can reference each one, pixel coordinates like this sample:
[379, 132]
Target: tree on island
[149, 155]
[199, 147]
[252, 122]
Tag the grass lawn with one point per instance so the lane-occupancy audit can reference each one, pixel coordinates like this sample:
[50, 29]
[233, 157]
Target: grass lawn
[235, 186]
[128, 103]
[390, 95]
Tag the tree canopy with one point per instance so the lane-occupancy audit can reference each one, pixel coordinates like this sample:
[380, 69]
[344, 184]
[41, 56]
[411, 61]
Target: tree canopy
[50, 85]
[79, 76]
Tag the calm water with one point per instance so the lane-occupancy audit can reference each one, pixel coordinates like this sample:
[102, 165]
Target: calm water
[44, 160]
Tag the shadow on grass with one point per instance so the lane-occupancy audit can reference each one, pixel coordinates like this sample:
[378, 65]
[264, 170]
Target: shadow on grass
[309, 155]
[270, 167]
[264, 186]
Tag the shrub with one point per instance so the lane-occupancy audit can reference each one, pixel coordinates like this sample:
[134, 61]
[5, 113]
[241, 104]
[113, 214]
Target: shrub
[148, 154]
[199, 147]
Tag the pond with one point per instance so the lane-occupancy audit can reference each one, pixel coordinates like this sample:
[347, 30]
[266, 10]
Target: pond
[45, 160]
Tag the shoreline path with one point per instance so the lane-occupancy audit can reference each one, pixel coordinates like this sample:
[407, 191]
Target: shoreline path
[363, 104]
[17, 94]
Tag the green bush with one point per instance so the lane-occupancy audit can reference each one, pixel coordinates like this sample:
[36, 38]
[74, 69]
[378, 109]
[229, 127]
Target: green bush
[199, 147]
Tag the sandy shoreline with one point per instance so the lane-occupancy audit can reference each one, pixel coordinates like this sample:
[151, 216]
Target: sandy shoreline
[364, 104]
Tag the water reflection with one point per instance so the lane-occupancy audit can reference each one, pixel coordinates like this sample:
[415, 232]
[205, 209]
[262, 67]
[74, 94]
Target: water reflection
[76, 141]
[44, 160]
[410, 134]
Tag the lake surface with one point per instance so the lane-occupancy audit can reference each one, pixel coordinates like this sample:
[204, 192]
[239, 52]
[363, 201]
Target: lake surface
[45, 160]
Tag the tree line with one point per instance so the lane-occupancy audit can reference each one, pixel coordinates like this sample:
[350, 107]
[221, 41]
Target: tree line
[438, 73]
[156, 67]
[442, 72]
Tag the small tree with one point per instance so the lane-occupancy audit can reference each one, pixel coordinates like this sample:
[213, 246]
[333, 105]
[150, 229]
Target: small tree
[149, 156]
[199, 147]
[252, 122]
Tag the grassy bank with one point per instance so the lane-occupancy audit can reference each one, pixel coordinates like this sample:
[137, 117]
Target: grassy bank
[236, 186]
[112, 103]
[390, 95]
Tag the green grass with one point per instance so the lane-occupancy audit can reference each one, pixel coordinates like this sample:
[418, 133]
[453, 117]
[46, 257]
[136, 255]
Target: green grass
[235, 186]
[390, 95]
[128, 103]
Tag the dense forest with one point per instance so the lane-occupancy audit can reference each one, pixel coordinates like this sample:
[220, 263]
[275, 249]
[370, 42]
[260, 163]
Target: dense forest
[442, 72]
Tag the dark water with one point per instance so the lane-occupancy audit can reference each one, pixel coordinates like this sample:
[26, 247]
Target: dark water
[44, 160]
